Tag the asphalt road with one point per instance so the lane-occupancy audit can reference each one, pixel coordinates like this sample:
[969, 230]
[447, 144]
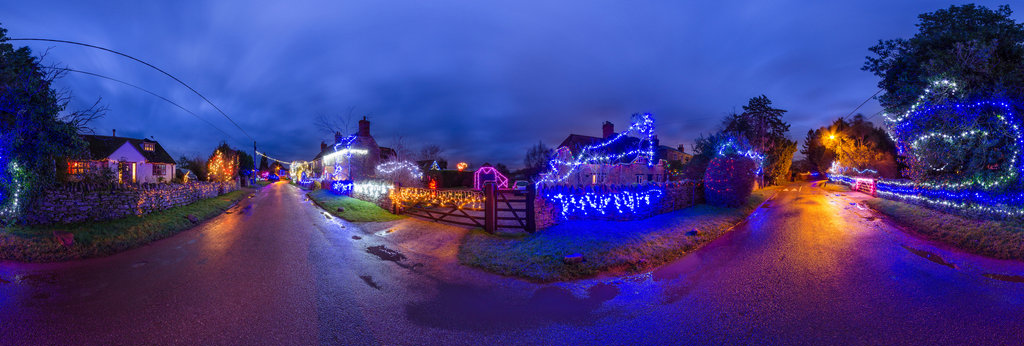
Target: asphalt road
[809, 267]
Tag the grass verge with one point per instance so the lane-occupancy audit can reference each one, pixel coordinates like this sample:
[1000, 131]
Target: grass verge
[629, 246]
[96, 239]
[1004, 240]
[355, 210]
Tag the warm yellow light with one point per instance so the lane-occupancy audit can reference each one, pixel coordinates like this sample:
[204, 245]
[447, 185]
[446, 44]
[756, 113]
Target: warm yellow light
[831, 136]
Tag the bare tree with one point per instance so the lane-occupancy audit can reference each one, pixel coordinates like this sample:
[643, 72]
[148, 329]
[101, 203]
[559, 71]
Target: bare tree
[330, 125]
[431, 152]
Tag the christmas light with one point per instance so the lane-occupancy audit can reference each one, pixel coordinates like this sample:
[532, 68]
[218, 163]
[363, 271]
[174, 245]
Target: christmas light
[342, 187]
[372, 189]
[438, 198]
[643, 126]
[462, 166]
[978, 193]
[393, 167]
[481, 176]
[591, 201]
[434, 166]
[730, 146]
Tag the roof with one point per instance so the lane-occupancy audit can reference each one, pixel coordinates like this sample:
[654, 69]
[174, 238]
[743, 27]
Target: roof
[101, 147]
[576, 143]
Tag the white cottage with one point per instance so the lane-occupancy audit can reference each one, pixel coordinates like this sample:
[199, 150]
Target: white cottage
[131, 160]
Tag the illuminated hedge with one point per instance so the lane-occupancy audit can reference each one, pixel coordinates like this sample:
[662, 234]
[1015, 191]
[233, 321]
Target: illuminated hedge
[729, 180]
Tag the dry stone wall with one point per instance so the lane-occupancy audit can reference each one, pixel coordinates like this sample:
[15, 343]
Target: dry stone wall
[73, 203]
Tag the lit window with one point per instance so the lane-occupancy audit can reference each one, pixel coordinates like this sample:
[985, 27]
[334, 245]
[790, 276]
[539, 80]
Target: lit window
[149, 146]
[76, 167]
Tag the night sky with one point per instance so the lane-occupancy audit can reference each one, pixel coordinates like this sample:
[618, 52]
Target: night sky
[483, 81]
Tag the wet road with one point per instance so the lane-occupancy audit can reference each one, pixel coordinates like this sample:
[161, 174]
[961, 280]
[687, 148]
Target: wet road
[807, 268]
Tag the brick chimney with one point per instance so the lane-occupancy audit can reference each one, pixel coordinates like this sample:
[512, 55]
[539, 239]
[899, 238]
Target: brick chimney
[364, 128]
[113, 133]
[608, 129]
[337, 137]
[323, 146]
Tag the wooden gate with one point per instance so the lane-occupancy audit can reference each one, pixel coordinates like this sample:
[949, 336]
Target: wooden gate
[490, 209]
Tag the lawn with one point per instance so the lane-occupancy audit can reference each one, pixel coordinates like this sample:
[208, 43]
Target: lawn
[997, 239]
[629, 246]
[355, 210]
[95, 239]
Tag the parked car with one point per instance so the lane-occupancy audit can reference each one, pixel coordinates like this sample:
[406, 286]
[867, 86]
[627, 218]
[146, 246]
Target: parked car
[520, 185]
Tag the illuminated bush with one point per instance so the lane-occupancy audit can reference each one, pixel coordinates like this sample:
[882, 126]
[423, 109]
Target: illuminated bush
[729, 180]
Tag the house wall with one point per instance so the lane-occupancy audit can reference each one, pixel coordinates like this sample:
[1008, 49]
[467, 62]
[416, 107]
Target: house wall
[617, 174]
[73, 203]
[143, 170]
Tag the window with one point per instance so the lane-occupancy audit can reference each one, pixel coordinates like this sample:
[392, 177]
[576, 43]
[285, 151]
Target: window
[149, 146]
[639, 178]
[159, 170]
[77, 167]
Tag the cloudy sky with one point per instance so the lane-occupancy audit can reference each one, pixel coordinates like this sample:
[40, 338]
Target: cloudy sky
[484, 80]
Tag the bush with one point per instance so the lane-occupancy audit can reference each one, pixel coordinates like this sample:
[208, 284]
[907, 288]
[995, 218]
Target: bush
[729, 180]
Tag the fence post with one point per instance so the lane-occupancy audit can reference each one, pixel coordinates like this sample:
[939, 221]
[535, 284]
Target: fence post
[490, 208]
[531, 215]
[395, 208]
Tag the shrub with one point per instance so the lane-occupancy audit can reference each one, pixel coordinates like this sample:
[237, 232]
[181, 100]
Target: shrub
[729, 180]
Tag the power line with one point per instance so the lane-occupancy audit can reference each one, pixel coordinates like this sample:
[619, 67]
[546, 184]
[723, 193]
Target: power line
[144, 63]
[862, 103]
[148, 92]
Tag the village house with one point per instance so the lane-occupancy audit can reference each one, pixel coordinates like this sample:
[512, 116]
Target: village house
[130, 160]
[349, 158]
[632, 169]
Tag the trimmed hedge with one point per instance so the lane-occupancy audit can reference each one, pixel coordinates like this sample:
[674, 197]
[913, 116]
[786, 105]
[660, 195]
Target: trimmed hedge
[729, 180]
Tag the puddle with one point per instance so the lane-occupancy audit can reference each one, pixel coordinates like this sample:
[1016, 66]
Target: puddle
[930, 256]
[1004, 277]
[36, 279]
[369, 281]
[385, 253]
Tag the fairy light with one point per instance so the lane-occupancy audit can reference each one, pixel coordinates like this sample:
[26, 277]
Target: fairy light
[731, 144]
[438, 198]
[643, 126]
[393, 167]
[342, 187]
[582, 202]
[372, 189]
[461, 166]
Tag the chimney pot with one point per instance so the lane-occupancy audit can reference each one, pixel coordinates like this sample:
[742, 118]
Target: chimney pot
[113, 133]
[608, 129]
[364, 128]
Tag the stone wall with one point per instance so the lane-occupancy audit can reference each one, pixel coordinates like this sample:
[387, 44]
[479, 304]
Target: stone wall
[76, 202]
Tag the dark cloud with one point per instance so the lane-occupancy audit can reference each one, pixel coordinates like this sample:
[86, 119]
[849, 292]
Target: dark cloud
[483, 80]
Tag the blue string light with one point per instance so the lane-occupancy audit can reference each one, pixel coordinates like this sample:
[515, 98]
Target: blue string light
[590, 201]
[643, 126]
